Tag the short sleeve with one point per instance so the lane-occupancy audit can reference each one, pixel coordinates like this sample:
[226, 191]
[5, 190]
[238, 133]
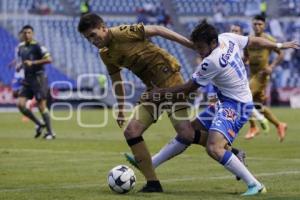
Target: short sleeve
[207, 70]
[44, 52]
[241, 40]
[128, 33]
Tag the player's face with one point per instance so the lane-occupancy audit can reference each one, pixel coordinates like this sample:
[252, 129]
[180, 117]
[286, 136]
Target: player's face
[204, 49]
[258, 26]
[97, 36]
[236, 29]
[27, 35]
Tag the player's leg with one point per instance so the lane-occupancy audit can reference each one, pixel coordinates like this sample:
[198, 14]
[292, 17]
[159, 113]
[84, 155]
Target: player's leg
[199, 133]
[141, 120]
[280, 126]
[223, 130]
[260, 97]
[24, 94]
[264, 123]
[40, 90]
[255, 87]
[42, 105]
[201, 136]
[179, 117]
[177, 145]
[16, 88]
[215, 149]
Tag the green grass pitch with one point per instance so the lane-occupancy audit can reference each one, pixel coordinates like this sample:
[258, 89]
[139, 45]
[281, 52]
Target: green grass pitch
[75, 165]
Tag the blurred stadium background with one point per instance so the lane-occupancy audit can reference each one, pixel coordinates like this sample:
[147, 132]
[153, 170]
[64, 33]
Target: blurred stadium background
[55, 23]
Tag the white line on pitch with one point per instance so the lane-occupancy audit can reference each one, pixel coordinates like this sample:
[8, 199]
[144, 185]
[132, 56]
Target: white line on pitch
[74, 186]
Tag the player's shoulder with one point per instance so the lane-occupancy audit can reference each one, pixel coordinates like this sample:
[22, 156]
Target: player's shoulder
[126, 31]
[103, 52]
[123, 27]
[269, 37]
[228, 35]
[211, 60]
[34, 42]
[21, 44]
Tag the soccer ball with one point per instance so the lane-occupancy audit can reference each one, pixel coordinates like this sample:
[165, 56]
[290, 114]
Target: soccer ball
[121, 179]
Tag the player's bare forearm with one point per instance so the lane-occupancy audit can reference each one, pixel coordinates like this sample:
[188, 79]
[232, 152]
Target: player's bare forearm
[119, 93]
[278, 59]
[265, 43]
[118, 89]
[155, 30]
[42, 61]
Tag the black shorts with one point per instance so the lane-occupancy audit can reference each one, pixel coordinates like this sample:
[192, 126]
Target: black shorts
[35, 86]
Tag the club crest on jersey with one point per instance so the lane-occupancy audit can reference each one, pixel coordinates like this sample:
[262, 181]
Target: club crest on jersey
[225, 57]
[229, 114]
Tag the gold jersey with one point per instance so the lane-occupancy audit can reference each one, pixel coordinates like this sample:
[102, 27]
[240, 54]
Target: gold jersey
[259, 57]
[129, 47]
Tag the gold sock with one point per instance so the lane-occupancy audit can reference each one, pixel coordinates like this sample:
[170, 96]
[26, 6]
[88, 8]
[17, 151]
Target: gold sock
[270, 116]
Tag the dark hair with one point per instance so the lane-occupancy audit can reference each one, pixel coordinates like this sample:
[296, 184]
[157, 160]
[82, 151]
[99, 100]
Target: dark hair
[27, 27]
[260, 17]
[89, 21]
[204, 32]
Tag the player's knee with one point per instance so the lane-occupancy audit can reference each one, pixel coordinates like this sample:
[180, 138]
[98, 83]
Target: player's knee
[21, 104]
[185, 131]
[213, 150]
[42, 107]
[133, 130]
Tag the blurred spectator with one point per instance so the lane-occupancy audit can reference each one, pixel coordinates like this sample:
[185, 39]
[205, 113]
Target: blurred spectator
[162, 17]
[219, 13]
[276, 29]
[153, 14]
[252, 8]
[40, 8]
[85, 7]
[149, 9]
[263, 8]
[142, 16]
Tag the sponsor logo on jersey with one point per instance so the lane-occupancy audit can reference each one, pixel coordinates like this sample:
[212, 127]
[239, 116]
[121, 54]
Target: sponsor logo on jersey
[225, 57]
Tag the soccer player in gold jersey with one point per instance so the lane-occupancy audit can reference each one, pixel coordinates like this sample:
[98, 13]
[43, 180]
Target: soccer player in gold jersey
[260, 71]
[128, 46]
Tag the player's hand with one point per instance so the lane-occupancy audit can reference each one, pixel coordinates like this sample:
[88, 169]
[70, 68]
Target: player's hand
[293, 44]
[28, 63]
[267, 71]
[121, 119]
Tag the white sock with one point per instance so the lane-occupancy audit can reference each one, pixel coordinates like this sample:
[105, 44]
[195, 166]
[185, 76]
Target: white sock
[258, 115]
[173, 148]
[235, 166]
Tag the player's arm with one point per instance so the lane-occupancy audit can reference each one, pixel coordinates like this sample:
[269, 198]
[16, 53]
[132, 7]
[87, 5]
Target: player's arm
[265, 43]
[278, 59]
[246, 57]
[46, 58]
[155, 30]
[119, 92]
[42, 61]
